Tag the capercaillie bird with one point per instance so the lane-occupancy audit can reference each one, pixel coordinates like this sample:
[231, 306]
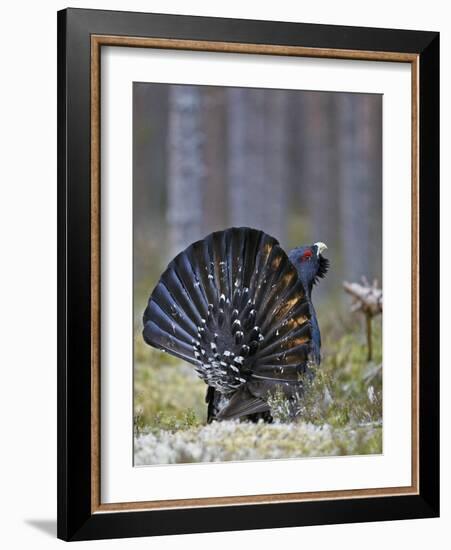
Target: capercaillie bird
[240, 310]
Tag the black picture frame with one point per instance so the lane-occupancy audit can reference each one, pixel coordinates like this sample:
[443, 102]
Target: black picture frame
[76, 520]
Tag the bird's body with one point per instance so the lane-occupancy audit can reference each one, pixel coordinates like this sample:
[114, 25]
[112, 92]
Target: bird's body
[239, 309]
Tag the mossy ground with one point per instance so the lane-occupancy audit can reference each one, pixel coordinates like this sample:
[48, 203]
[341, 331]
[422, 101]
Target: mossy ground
[341, 412]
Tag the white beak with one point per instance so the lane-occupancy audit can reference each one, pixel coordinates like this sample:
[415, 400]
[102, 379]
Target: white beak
[321, 247]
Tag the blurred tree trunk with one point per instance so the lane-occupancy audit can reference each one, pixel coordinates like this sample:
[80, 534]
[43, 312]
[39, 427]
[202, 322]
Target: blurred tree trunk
[375, 206]
[276, 158]
[215, 195]
[150, 125]
[360, 130]
[149, 152]
[320, 168]
[186, 177]
[320, 190]
[297, 156]
[246, 150]
[258, 159]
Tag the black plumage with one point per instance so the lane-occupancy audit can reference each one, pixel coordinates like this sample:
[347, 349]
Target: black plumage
[239, 309]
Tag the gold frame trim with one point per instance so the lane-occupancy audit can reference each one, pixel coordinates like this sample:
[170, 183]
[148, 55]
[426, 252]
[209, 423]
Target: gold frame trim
[97, 41]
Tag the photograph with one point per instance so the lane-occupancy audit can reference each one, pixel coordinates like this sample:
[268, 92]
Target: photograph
[257, 274]
[248, 273]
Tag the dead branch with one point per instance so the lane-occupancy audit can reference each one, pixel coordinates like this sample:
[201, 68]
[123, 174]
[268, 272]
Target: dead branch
[368, 300]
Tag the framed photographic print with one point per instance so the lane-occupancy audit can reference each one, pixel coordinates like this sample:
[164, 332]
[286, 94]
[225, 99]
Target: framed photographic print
[248, 274]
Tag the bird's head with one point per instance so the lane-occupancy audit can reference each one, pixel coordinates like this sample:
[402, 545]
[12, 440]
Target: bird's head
[310, 263]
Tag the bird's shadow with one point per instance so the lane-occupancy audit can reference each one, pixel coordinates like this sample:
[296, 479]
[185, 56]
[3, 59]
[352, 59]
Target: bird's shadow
[47, 526]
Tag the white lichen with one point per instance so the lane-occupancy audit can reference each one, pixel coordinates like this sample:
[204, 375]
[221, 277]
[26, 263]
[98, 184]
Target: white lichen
[234, 440]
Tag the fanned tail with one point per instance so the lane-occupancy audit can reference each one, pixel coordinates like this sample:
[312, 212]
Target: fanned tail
[233, 306]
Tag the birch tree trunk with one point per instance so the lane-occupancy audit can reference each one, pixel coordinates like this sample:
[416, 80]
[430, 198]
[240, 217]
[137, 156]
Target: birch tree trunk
[186, 170]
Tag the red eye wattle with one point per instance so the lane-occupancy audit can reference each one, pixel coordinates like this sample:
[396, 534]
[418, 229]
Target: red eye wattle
[307, 254]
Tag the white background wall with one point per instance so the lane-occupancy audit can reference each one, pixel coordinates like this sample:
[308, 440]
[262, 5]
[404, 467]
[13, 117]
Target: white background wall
[28, 272]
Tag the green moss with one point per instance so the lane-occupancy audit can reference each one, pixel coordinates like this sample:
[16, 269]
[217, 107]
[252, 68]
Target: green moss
[167, 392]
